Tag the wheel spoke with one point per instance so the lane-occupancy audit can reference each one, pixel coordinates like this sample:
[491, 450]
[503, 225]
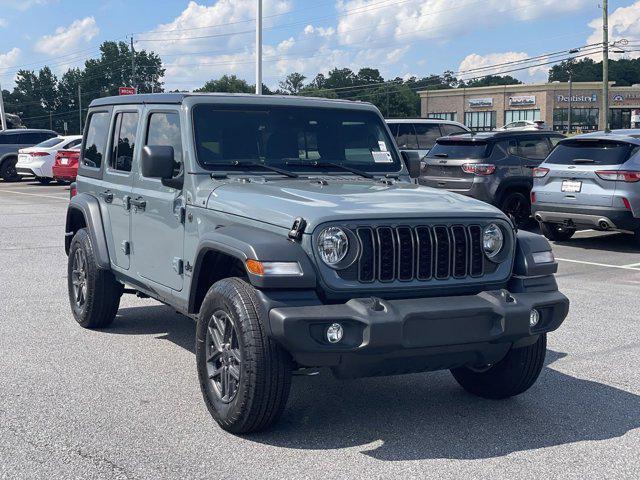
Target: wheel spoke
[214, 355]
[215, 338]
[234, 371]
[235, 355]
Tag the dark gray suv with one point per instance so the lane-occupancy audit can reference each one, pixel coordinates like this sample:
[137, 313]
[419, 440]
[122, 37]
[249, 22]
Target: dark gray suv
[495, 167]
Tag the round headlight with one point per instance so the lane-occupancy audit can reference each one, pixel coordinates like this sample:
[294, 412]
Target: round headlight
[492, 240]
[333, 245]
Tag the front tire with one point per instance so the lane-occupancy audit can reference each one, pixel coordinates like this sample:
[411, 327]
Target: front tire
[245, 377]
[556, 231]
[94, 294]
[513, 375]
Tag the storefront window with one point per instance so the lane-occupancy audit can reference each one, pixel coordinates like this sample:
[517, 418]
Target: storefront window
[531, 114]
[452, 116]
[582, 119]
[480, 121]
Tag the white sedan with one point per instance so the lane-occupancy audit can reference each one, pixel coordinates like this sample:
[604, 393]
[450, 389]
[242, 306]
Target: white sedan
[532, 125]
[37, 161]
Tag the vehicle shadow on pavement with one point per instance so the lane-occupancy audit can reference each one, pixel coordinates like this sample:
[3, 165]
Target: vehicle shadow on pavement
[156, 320]
[608, 242]
[422, 416]
[428, 416]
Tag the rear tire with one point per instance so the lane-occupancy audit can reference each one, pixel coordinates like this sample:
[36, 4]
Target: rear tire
[245, 377]
[556, 232]
[513, 375]
[8, 170]
[94, 294]
[44, 180]
[517, 207]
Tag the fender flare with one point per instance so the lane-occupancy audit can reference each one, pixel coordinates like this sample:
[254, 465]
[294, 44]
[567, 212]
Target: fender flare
[244, 242]
[528, 243]
[89, 208]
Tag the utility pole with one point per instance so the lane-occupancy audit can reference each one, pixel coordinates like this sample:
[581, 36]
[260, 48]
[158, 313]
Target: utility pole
[133, 65]
[605, 64]
[259, 47]
[80, 108]
[3, 117]
[570, 100]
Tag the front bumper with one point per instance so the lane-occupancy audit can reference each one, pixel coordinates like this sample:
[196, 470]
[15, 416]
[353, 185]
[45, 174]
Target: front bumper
[586, 216]
[399, 336]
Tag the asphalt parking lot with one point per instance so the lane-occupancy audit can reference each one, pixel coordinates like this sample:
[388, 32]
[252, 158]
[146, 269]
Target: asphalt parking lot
[125, 403]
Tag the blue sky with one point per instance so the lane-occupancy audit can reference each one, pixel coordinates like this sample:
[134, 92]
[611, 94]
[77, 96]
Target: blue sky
[199, 40]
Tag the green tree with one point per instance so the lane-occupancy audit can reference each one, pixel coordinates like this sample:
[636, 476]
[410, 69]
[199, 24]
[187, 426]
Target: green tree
[293, 83]
[227, 84]
[491, 80]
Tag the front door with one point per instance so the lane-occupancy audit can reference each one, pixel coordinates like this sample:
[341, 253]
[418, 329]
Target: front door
[157, 211]
[118, 175]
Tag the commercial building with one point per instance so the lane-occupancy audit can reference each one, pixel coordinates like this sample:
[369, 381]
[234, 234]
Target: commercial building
[485, 108]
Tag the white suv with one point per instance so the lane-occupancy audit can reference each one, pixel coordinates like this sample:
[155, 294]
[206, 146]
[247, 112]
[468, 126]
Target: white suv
[38, 160]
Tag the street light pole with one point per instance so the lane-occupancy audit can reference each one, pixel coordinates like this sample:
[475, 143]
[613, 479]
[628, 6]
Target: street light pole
[259, 47]
[605, 64]
[570, 101]
[3, 117]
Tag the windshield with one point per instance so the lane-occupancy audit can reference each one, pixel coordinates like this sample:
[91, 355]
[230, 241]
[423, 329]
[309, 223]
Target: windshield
[458, 149]
[52, 142]
[595, 152]
[292, 138]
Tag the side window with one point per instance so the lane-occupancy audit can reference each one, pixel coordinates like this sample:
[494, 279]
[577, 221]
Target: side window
[427, 134]
[534, 148]
[124, 141]
[96, 143]
[9, 139]
[164, 129]
[448, 129]
[406, 137]
[73, 143]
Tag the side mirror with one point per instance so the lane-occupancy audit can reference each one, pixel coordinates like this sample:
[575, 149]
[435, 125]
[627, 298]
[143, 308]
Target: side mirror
[412, 161]
[157, 161]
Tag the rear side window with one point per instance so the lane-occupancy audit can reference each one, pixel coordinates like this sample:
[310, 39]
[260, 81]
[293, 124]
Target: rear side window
[96, 143]
[124, 141]
[406, 136]
[448, 129]
[164, 129]
[594, 152]
[73, 143]
[427, 134]
[459, 149]
[534, 148]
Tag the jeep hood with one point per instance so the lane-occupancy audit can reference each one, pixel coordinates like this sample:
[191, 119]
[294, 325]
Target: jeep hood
[280, 202]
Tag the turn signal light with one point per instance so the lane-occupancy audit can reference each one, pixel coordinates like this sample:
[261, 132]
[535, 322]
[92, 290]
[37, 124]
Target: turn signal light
[629, 176]
[540, 172]
[479, 168]
[626, 202]
[273, 268]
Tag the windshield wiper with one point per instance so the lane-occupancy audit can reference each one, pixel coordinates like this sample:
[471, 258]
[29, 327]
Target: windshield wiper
[281, 171]
[441, 155]
[584, 160]
[335, 165]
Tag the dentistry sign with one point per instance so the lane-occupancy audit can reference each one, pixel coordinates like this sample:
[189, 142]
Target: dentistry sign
[577, 98]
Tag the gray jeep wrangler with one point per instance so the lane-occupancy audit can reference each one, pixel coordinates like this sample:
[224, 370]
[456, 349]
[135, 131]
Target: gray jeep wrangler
[290, 230]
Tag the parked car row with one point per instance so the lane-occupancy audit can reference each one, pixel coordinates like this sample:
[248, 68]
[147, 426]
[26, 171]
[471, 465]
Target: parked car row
[38, 161]
[11, 141]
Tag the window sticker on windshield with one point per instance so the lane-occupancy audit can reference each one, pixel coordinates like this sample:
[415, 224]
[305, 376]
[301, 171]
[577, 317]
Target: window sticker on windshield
[382, 145]
[382, 157]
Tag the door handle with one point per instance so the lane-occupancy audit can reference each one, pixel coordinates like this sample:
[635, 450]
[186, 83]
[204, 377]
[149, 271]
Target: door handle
[107, 195]
[138, 203]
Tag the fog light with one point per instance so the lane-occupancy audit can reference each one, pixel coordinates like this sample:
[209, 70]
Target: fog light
[534, 317]
[334, 333]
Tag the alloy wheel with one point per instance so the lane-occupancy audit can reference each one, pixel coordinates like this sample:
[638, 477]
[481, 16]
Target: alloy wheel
[224, 357]
[79, 278]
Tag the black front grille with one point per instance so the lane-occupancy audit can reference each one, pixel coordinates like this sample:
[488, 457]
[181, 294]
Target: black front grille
[419, 253]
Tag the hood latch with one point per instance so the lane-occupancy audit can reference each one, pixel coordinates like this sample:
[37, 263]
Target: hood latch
[299, 224]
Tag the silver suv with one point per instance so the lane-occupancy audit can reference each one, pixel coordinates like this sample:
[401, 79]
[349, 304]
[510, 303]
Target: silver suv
[287, 227]
[589, 181]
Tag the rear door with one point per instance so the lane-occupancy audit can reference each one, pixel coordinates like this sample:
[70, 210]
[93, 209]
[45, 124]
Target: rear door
[572, 177]
[443, 165]
[123, 150]
[531, 150]
[426, 136]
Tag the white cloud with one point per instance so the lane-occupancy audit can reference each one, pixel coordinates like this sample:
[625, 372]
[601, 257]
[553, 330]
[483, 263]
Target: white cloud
[499, 64]
[3, 22]
[66, 39]
[624, 23]
[368, 21]
[9, 59]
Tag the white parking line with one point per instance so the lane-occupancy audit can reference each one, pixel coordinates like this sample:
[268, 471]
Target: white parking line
[632, 265]
[34, 195]
[624, 267]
